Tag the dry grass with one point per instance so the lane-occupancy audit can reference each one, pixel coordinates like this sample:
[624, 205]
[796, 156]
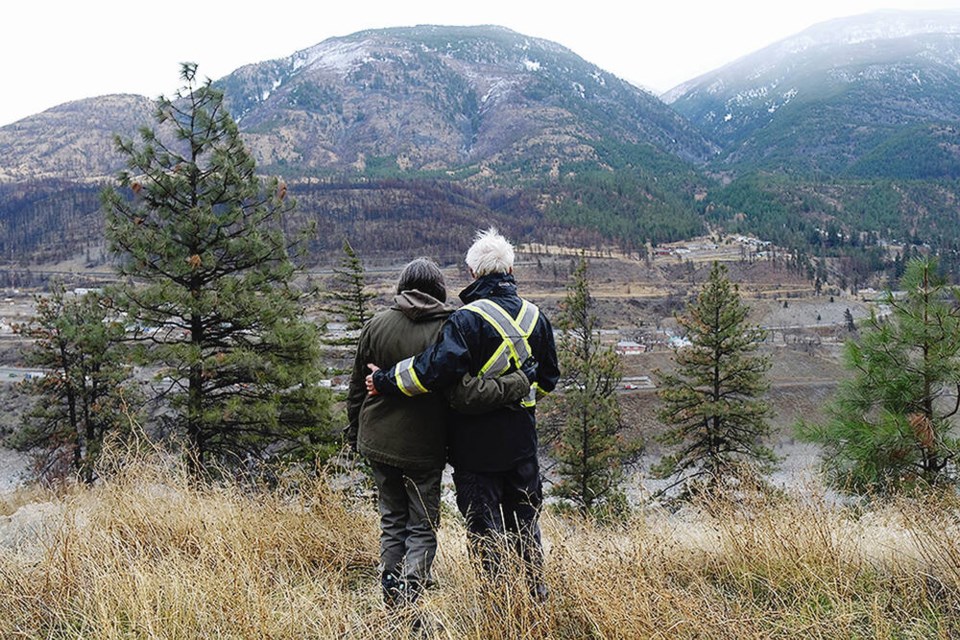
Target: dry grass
[149, 555]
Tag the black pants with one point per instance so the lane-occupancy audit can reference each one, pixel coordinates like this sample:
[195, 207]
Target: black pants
[502, 509]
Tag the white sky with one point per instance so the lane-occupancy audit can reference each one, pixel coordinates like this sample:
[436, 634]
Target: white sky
[54, 51]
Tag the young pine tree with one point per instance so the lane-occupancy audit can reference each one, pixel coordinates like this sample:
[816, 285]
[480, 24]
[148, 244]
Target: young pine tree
[712, 402]
[848, 320]
[200, 238]
[589, 450]
[351, 289]
[85, 393]
[348, 298]
[890, 426]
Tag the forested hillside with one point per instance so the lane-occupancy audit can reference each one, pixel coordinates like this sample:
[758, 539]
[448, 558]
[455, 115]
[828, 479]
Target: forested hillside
[838, 145]
[44, 221]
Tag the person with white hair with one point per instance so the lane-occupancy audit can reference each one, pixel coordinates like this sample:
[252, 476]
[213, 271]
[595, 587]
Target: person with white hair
[493, 453]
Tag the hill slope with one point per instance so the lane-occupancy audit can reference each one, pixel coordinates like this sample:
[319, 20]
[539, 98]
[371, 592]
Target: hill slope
[441, 98]
[873, 95]
[73, 140]
[401, 101]
[499, 126]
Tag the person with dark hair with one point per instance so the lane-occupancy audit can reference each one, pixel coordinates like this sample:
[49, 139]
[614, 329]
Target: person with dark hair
[493, 453]
[405, 441]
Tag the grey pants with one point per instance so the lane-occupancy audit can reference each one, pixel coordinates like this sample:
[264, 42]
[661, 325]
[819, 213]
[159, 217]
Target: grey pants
[409, 516]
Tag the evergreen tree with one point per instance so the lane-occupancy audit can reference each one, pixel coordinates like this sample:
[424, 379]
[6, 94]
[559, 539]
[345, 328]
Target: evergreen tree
[202, 242]
[354, 298]
[348, 297]
[848, 320]
[589, 450]
[891, 426]
[712, 401]
[84, 392]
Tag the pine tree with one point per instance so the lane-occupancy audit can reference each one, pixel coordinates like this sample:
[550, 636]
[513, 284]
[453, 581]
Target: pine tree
[590, 451]
[348, 298]
[202, 240]
[890, 426]
[85, 392]
[712, 401]
[848, 320]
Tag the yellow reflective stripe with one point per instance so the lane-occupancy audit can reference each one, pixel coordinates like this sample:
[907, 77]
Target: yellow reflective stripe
[529, 314]
[513, 333]
[487, 314]
[507, 340]
[498, 363]
[406, 378]
[520, 348]
[517, 337]
[531, 399]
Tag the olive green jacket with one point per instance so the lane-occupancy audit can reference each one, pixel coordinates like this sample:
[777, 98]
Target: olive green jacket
[411, 433]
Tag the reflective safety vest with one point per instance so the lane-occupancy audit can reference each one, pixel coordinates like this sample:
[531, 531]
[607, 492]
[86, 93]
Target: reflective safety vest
[514, 348]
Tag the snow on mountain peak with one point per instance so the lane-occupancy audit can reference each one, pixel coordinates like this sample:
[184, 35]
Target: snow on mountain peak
[880, 25]
[336, 55]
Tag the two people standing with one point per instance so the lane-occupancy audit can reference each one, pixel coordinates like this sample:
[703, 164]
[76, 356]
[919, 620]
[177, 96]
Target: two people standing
[468, 396]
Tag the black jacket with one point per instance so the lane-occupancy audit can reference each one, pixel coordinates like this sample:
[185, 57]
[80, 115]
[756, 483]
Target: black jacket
[497, 440]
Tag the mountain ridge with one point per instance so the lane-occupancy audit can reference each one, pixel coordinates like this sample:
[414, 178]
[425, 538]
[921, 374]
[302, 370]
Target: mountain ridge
[832, 95]
[484, 124]
[445, 97]
[478, 100]
[73, 140]
[838, 31]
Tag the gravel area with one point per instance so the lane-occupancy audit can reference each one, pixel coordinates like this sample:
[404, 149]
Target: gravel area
[13, 465]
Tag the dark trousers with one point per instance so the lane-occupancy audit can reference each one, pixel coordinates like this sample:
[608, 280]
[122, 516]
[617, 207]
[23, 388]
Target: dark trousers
[409, 502]
[502, 510]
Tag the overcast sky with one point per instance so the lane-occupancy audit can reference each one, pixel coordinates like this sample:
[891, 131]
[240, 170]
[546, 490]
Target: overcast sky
[54, 52]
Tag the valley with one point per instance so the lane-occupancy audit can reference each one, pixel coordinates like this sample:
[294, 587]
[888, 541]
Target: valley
[635, 301]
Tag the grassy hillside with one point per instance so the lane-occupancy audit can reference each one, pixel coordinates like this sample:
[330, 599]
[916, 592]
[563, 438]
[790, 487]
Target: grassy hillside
[147, 554]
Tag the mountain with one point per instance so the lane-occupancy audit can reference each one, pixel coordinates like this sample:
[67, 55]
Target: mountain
[432, 98]
[71, 141]
[415, 128]
[842, 142]
[872, 95]
[404, 100]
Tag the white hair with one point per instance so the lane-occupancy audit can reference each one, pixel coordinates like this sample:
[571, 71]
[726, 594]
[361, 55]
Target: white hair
[490, 253]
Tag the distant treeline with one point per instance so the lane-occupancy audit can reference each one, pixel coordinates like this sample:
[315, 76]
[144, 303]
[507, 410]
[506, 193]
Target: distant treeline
[45, 221]
[852, 223]
[51, 220]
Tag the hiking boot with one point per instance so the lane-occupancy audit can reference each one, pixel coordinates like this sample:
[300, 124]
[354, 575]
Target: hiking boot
[413, 588]
[393, 591]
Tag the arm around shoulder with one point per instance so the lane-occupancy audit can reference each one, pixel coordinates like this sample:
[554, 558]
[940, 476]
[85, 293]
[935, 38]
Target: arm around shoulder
[475, 395]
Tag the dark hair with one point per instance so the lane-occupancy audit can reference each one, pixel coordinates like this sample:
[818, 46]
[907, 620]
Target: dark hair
[424, 275]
